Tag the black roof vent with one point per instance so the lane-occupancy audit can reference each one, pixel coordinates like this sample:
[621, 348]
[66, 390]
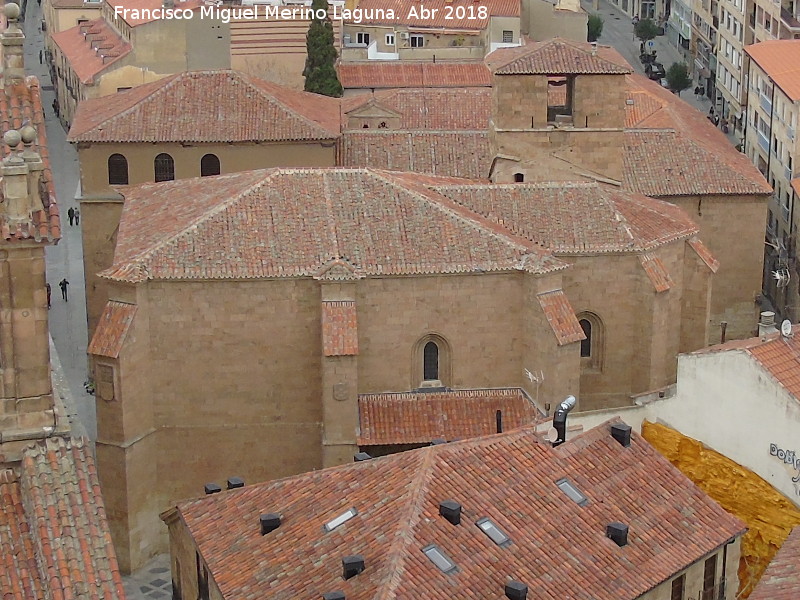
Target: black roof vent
[269, 522]
[235, 482]
[352, 565]
[437, 441]
[450, 510]
[333, 596]
[361, 456]
[516, 590]
[618, 533]
[212, 488]
[622, 433]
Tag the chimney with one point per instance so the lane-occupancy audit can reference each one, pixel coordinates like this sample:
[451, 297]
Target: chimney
[352, 566]
[212, 488]
[594, 48]
[516, 590]
[361, 457]
[333, 596]
[16, 208]
[235, 483]
[560, 419]
[35, 167]
[12, 40]
[766, 323]
[618, 533]
[450, 510]
[269, 522]
[622, 433]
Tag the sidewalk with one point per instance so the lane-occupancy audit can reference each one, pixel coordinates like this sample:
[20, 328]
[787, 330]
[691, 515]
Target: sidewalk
[618, 33]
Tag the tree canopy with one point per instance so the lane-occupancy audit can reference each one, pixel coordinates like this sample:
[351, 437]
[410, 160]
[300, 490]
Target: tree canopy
[678, 78]
[595, 27]
[320, 72]
[646, 30]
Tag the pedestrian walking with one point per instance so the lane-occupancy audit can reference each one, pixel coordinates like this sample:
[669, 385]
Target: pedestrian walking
[63, 285]
[71, 215]
[47, 287]
[41, 57]
[77, 216]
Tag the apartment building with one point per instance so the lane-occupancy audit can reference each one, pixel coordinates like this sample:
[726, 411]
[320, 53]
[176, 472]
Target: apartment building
[771, 143]
[703, 44]
[733, 35]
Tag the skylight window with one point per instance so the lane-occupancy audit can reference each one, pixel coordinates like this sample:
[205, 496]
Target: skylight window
[488, 527]
[574, 494]
[439, 558]
[341, 519]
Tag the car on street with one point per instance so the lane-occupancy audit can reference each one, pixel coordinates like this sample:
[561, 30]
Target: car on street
[655, 71]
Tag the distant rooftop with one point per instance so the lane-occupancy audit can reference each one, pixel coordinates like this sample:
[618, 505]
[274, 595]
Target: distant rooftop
[780, 60]
[558, 56]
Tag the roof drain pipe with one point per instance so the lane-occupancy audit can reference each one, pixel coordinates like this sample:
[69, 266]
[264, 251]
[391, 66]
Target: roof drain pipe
[560, 419]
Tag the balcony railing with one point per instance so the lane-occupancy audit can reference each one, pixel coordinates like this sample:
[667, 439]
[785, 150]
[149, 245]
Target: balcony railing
[763, 141]
[766, 103]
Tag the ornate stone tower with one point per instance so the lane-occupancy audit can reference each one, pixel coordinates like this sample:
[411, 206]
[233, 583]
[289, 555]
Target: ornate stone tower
[558, 112]
[28, 223]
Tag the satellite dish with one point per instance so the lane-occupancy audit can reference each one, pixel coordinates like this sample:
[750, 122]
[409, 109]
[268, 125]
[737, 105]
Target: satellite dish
[552, 435]
[786, 328]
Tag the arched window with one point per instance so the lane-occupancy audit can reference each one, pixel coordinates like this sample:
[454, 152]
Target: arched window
[430, 361]
[117, 170]
[592, 346]
[519, 177]
[164, 167]
[209, 165]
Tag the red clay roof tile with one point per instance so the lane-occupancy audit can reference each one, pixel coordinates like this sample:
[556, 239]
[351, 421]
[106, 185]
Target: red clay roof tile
[558, 56]
[780, 356]
[381, 222]
[780, 60]
[78, 46]
[54, 537]
[420, 417]
[182, 107]
[510, 478]
[561, 317]
[111, 329]
[339, 328]
[781, 581]
[402, 74]
[656, 272]
[705, 254]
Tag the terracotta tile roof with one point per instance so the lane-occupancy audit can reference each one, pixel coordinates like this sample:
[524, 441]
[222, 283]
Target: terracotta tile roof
[780, 60]
[24, 103]
[142, 11]
[780, 356]
[299, 219]
[54, 537]
[111, 330]
[656, 272]
[558, 56]
[402, 74]
[439, 18]
[671, 149]
[781, 580]
[705, 254]
[183, 107]
[575, 218]
[453, 154]
[78, 46]
[510, 478]
[421, 417]
[429, 109]
[561, 317]
[796, 186]
[339, 328]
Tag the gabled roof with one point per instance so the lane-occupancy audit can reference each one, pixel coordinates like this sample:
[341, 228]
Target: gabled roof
[54, 537]
[781, 581]
[671, 149]
[292, 222]
[780, 60]
[78, 45]
[557, 547]
[558, 56]
[576, 218]
[437, 109]
[440, 15]
[24, 103]
[207, 106]
[423, 416]
[401, 74]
